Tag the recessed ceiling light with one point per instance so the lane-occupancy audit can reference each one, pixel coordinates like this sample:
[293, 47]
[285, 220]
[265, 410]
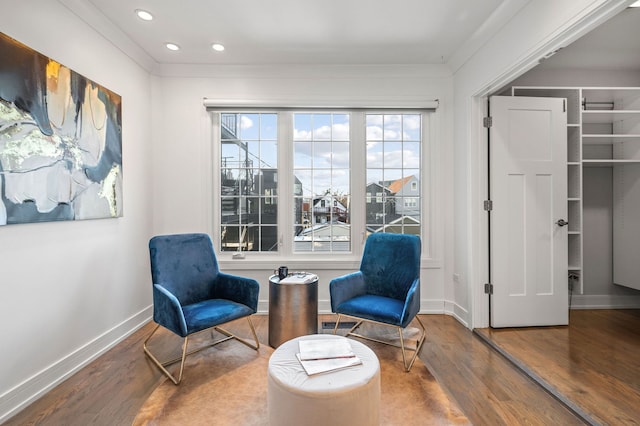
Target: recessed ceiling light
[635, 4]
[144, 15]
[172, 46]
[217, 47]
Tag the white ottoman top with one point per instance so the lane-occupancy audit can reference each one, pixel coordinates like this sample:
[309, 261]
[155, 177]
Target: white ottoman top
[286, 370]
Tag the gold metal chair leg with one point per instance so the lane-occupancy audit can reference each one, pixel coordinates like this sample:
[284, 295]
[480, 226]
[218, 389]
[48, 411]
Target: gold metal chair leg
[416, 350]
[161, 365]
[255, 345]
[228, 336]
[335, 329]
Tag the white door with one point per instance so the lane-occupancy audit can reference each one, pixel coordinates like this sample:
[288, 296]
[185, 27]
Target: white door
[528, 178]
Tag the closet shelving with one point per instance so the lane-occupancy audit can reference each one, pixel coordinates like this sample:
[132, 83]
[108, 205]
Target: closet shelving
[603, 130]
[610, 126]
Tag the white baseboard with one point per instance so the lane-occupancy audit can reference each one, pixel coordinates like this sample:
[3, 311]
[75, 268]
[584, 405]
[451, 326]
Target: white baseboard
[19, 397]
[605, 301]
[458, 312]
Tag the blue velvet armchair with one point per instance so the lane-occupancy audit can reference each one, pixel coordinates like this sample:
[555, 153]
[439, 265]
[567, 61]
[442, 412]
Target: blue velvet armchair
[386, 289]
[190, 294]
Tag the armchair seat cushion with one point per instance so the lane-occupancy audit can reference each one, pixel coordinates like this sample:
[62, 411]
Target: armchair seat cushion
[212, 312]
[375, 308]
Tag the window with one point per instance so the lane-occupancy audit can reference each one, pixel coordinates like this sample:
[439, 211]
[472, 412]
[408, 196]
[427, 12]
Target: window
[393, 163]
[322, 169]
[289, 182]
[248, 182]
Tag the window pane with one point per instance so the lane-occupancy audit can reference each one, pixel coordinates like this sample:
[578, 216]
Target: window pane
[248, 181]
[411, 155]
[374, 154]
[321, 183]
[322, 127]
[269, 155]
[393, 173]
[322, 158]
[412, 127]
[302, 127]
[374, 127]
[269, 127]
[269, 238]
[249, 127]
[392, 127]
[302, 154]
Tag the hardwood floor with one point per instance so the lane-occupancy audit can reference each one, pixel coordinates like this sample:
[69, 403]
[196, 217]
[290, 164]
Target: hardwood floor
[593, 364]
[487, 387]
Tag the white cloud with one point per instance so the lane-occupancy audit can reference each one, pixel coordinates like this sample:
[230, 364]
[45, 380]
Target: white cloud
[301, 135]
[374, 133]
[336, 132]
[246, 122]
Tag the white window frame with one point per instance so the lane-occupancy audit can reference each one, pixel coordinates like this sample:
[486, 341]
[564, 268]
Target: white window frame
[359, 195]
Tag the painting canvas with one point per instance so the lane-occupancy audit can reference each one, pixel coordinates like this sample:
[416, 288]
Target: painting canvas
[60, 141]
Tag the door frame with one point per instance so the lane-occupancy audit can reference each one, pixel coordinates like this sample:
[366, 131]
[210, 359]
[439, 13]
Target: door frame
[478, 258]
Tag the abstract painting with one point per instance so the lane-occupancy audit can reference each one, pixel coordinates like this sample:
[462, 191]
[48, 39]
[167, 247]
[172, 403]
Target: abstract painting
[60, 141]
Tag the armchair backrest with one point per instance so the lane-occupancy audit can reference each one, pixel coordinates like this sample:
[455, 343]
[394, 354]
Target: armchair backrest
[185, 264]
[390, 264]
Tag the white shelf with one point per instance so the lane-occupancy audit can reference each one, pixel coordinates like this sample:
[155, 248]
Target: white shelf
[596, 139]
[608, 116]
[607, 162]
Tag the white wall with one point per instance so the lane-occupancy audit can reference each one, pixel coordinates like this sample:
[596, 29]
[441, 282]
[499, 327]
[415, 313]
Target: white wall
[71, 289]
[538, 28]
[183, 179]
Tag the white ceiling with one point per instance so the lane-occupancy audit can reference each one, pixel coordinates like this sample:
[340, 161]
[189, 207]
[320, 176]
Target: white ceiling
[293, 31]
[327, 32]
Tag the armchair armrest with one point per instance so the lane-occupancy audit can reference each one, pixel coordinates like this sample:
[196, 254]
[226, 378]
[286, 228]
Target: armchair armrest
[167, 311]
[238, 289]
[346, 287]
[412, 303]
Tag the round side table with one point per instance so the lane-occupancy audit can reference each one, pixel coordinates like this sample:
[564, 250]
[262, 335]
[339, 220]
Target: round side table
[293, 308]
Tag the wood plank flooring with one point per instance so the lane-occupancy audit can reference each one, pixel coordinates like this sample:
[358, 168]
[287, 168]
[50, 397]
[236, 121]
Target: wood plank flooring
[487, 387]
[593, 364]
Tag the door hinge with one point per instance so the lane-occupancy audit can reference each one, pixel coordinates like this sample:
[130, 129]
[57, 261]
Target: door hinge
[488, 288]
[488, 205]
[564, 105]
[487, 122]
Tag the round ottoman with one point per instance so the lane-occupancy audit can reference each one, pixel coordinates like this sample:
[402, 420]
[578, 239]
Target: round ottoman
[349, 397]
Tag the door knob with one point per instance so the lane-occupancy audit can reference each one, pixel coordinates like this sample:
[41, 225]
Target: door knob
[562, 222]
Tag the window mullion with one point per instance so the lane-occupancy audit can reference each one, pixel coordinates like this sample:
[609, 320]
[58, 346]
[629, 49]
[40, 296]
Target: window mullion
[358, 181]
[215, 179]
[285, 182]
